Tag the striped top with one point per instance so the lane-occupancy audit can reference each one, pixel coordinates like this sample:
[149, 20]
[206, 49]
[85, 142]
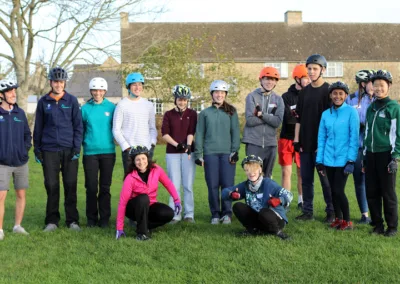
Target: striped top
[134, 123]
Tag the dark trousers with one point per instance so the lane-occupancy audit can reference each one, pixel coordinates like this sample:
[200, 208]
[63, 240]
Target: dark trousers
[148, 216]
[381, 186]
[266, 220]
[359, 184]
[98, 197]
[337, 181]
[307, 169]
[219, 174]
[53, 163]
[267, 154]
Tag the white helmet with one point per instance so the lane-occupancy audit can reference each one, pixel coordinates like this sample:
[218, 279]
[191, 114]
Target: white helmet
[6, 85]
[98, 83]
[219, 85]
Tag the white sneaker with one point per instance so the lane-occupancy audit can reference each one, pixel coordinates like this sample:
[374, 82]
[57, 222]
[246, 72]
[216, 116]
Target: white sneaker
[214, 221]
[226, 220]
[1, 235]
[74, 227]
[20, 230]
[50, 227]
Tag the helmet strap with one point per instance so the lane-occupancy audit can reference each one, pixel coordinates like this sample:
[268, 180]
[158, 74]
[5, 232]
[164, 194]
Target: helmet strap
[132, 95]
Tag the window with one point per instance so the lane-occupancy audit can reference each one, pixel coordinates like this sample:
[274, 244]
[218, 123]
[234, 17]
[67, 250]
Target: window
[158, 105]
[335, 69]
[281, 66]
[196, 105]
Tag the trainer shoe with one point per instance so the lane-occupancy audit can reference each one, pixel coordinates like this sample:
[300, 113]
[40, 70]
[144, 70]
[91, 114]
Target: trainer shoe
[74, 227]
[336, 224]
[142, 237]
[226, 220]
[329, 218]
[214, 221]
[390, 232]
[248, 233]
[20, 230]
[378, 230]
[280, 234]
[104, 224]
[91, 224]
[305, 216]
[300, 205]
[364, 220]
[346, 226]
[50, 227]
[188, 220]
[1, 235]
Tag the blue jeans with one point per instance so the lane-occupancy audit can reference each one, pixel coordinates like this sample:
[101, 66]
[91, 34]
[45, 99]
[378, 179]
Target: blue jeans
[181, 171]
[219, 174]
[359, 184]
[307, 169]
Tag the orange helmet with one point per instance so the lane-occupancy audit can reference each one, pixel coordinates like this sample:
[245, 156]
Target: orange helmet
[269, 72]
[299, 71]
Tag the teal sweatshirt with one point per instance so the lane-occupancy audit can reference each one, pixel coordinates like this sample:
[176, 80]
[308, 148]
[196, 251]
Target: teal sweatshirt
[216, 132]
[97, 128]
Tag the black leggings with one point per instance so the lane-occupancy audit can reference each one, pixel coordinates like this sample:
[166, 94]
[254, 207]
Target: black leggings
[337, 181]
[148, 216]
[266, 220]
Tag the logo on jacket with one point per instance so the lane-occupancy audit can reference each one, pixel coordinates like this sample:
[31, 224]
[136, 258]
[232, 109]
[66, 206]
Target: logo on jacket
[64, 106]
[16, 119]
[1, 118]
[48, 107]
[107, 113]
[382, 114]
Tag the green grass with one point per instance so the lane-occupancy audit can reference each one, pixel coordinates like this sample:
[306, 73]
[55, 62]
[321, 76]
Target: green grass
[191, 253]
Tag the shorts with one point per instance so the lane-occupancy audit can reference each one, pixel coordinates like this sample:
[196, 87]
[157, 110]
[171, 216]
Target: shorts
[287, 154]
[19, 174]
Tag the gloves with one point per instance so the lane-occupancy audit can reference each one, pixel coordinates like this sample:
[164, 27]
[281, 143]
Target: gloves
[75, 156]
[178, 207]
[274, 202]
[39, 157]
[320, 168]
[151, 152]
[349, 168]
[257, 110]
[181, 146]
[274, 110]
[297, 146]
[119, 234]
[189, 150]
[235, 195]
[234, 157]
[199, 162]
[392, 166]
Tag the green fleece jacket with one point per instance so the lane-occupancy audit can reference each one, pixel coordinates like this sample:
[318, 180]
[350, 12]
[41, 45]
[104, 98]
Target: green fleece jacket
[382, 132]
[216, 132]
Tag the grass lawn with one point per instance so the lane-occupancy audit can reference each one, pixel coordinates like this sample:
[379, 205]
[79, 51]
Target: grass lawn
[191, 253]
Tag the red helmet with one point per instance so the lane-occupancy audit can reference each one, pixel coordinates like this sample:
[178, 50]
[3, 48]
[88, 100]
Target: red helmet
[269, 72]
[299, 71]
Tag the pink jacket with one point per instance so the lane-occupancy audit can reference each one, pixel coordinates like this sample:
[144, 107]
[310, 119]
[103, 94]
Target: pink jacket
[134, 185]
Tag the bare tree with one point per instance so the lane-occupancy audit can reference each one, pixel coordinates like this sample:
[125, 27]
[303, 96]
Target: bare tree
[63, 31]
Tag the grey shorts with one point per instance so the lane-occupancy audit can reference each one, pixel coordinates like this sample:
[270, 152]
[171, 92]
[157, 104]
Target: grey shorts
[19, 174]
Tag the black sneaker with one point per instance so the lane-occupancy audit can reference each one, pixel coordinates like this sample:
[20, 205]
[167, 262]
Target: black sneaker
[142, 237]
[282, 236]
[378, 230]
[300, 205]
[91, 223]
[103, 224]
[330, 217]
[390, 232]
[248, 233]
[305, 217]
[364, 220]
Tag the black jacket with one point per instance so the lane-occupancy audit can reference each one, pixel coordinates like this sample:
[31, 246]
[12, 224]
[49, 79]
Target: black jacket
[290, 98]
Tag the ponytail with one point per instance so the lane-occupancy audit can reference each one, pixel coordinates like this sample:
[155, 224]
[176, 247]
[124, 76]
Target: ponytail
[228, 108]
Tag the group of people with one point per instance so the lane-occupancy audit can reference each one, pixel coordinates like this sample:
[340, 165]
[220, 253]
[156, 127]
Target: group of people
[323, 127]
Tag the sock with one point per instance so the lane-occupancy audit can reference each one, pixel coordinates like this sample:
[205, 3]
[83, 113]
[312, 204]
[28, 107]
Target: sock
[16, 227]
[300, 199]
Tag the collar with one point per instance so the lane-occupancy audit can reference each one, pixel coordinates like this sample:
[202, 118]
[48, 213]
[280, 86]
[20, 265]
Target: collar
[64, 97]
[15, 109]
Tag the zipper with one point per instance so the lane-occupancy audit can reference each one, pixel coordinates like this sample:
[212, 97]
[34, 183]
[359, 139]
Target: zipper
[372, 131]
[10, 136]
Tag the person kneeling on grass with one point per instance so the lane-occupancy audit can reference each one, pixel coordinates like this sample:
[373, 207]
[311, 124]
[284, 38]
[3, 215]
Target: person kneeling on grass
[266, 201]
[138, 198]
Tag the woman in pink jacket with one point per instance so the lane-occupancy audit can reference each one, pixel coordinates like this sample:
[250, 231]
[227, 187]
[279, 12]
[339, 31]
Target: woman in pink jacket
[138, 198]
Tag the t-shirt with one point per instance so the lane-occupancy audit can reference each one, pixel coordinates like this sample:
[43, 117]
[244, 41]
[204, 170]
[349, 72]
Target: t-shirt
[312, 103]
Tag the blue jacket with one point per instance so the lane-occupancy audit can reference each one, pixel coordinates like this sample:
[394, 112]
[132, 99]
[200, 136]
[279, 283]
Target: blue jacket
[258, 200]
[58, 125]
[361, 107]
[15, 137]
[338, 136]
[97, 125]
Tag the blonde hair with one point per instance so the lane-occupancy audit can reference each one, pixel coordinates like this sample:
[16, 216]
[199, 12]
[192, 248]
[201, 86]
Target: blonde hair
[252, 166]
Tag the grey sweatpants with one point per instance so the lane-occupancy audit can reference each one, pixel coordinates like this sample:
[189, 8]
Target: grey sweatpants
[267, 154]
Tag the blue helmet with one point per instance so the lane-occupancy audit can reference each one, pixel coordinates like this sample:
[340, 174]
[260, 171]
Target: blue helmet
[58, 74]
[133, 78]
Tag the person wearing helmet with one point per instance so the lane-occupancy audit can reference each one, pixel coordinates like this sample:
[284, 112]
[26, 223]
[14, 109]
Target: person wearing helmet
[266, 202]
[138, 197]
[178, 129]
[337, 150]
[313, 101]
[286, 151]
[264, 114]
[57, 139]
[381, 154]
[361, 100]
[134, 120]
[217, 149]
[14, 148]
[98, 153]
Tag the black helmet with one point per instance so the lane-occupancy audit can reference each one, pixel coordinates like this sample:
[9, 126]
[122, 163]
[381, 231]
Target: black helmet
[136, 150]
[58, 74]
[252, 159]
[181, 92]
[317, 59]
[364, 76]
[339, 85]
[382, 74]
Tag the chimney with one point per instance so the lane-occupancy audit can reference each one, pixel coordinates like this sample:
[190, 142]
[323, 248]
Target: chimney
[124, 20]
[293, 18]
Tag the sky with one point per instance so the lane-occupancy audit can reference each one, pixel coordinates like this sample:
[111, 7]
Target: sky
[365, 11]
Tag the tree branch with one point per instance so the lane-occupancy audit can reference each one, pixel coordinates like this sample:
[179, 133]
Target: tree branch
[9, 58]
